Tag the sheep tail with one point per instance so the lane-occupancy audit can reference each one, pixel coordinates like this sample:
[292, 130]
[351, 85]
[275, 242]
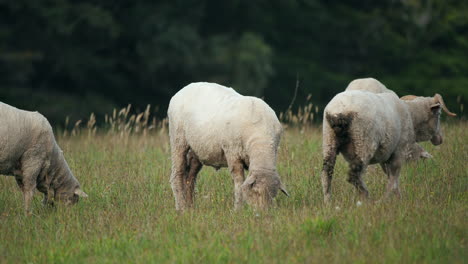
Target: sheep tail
[340, 123]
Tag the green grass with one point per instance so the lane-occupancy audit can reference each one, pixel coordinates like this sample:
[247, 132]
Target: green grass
[129, 215]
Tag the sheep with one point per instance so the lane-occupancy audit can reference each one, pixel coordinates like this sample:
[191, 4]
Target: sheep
[414, 151]
[370, 128]
[29, 152]
[213, 125]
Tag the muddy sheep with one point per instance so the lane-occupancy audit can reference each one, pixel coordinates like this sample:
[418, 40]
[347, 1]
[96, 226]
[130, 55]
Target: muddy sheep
[370, 128]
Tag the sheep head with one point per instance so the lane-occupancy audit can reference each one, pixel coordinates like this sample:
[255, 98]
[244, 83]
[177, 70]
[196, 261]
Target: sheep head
[71, 196]
[66, 188]
[429, 128]
[260, 187]
[435, 109]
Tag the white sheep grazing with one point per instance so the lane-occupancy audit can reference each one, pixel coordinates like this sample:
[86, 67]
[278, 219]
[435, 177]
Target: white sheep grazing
[369, 128]
[213, 125]
[29, 152]
[414, 151]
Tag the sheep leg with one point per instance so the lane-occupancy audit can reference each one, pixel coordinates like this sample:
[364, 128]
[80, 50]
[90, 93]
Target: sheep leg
[327, 174]
[392, 169]
[194, 168]
[49, 198]
[237, 173]
[31, 165]
[330, 151]
[28, 185]
[356, 170]
[179, 165]
[28, 192]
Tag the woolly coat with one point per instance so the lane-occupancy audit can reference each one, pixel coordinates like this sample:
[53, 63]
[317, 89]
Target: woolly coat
[219, 125]
[413, 151]
[368, 84]
[29, 152]
[379, 125]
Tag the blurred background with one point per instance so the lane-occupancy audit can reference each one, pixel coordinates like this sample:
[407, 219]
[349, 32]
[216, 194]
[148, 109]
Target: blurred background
[70, 58]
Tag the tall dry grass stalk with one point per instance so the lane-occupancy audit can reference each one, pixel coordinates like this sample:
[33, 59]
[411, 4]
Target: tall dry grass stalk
[304, 116]
[121, 123]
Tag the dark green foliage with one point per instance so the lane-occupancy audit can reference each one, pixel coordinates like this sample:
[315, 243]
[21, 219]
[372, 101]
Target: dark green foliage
[65, 57]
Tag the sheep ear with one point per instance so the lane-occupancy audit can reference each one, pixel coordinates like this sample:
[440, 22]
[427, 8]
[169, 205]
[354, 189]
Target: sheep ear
[435, 107]
[80, 193]
[283, 189]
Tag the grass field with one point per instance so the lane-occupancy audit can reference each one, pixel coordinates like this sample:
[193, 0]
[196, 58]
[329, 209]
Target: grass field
[130, 217]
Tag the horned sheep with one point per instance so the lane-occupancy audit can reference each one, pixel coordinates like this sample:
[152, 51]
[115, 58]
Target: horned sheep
[213, 125]
[29, 152]
[414, 151]
[370, 128]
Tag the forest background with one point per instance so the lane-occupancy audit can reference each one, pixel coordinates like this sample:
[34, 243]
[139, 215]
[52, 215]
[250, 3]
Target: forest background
[70, 58]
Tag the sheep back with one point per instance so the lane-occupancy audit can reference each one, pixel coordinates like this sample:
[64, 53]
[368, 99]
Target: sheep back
[19, 131]
[213, 118]
[368, 84]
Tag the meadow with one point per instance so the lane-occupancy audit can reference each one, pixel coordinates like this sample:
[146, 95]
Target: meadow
[129, 216]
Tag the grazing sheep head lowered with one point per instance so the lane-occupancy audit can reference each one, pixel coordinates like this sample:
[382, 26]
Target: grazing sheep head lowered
[70, 197]
[429, 129]
[30, 153]
[213, 125]
[63, 186]
[260, 187]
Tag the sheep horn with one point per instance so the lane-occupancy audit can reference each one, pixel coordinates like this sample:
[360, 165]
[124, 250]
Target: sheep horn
[438, 99]
[408, 97]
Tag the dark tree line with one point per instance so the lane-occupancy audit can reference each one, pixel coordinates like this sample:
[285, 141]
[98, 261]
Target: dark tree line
[66, 57]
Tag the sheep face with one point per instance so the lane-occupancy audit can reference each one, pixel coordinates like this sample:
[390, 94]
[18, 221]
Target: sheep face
[70, 197]
[260, 188]
[430, 128]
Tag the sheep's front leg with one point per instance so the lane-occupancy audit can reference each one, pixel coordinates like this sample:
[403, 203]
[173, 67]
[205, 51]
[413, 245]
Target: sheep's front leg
[49, 198]
[31, 165]
[28, 193]
[194, 168]
[179, 165]
[237, 172]
[28, 185]
[356, 169]
[392, 169]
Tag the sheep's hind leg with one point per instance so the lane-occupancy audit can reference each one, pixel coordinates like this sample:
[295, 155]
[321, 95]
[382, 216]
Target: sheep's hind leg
[327, 174]
[356, 170]
[237, 172]
[178, 174]
[392, 169]
[330, 151]
[194, 167]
